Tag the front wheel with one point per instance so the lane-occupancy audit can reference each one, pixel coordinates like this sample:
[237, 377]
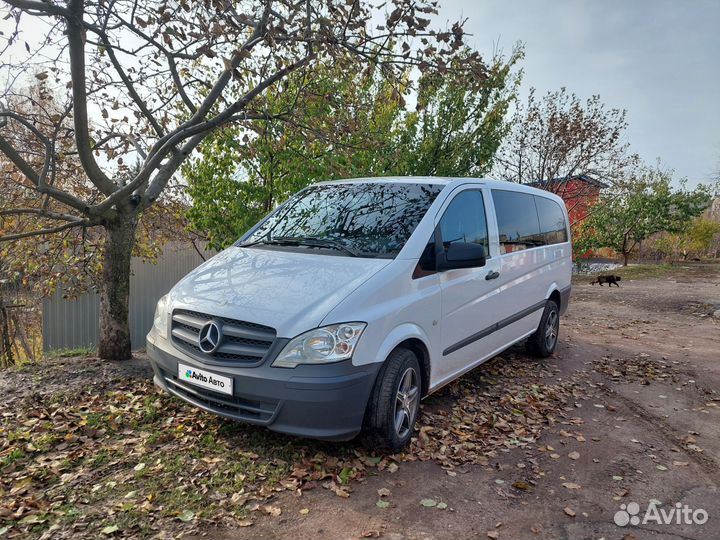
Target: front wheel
[394, 403]
[543, 342]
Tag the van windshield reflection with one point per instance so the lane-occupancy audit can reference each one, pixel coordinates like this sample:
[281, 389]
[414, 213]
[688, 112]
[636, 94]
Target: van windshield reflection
[364, 219]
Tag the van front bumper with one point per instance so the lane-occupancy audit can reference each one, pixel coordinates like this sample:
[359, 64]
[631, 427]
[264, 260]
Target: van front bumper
[321, 402]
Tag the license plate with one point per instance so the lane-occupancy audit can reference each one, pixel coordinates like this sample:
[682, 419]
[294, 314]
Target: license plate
[206, 379]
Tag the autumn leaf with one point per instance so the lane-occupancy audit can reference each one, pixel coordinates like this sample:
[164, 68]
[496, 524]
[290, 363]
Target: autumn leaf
[186, 515]
[271, 510]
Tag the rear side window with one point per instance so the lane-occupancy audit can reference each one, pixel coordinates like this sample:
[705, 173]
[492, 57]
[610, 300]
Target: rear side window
[552, 221]
[517, 218]
[464, 220]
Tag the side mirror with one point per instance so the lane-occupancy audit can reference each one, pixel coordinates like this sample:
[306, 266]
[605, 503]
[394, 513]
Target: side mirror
[461, 255]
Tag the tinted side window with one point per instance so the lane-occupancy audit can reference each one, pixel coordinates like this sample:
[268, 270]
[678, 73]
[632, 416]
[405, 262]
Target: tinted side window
[464, 220]
[552, 221]
[517, 218]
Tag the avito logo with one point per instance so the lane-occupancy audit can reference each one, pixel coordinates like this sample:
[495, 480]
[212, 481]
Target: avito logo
[209, 379]
[679, 514]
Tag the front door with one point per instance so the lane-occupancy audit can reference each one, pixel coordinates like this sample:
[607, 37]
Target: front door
[469, 296]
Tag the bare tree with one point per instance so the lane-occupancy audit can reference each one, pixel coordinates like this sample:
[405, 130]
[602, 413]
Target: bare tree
[558, 137]
[148, 81]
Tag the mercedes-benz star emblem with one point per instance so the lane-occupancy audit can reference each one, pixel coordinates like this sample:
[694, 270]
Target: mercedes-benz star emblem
[210, 337]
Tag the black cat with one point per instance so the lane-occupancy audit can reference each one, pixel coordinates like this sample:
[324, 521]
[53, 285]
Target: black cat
[610, 280]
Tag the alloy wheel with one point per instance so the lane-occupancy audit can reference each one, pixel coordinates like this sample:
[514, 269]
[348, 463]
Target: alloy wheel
[551, 330]
[406, 401]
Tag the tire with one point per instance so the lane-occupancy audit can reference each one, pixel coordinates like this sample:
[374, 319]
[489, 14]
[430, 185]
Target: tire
[389, 419]
[543, 342]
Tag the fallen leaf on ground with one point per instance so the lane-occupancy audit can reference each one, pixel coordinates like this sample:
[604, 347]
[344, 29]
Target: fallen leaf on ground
[492, 534]
[271, 510]
[571, 485]
[186, 516]
[574, 455]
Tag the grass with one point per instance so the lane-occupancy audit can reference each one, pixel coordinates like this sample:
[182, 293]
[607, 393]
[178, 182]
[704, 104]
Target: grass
[71, 353]
[633, 271]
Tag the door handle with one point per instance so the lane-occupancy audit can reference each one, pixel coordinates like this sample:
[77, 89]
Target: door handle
[492, 275]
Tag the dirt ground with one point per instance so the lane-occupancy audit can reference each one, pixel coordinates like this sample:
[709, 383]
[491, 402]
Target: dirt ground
[648, 433]
[627, 411]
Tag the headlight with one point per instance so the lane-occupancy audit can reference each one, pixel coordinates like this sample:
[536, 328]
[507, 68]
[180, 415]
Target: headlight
[160, 318]
[321, 346]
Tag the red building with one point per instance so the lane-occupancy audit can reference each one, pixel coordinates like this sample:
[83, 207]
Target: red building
[579, 192]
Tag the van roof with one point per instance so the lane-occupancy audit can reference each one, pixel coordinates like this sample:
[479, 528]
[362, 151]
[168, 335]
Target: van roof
[444, 180]
[395, 180]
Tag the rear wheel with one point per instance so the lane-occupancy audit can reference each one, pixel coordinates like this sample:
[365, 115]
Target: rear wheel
[394, 403]
[543, 342]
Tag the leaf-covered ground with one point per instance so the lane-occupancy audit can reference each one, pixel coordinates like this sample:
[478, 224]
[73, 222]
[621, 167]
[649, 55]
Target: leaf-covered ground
[120, 458]
[627, 410]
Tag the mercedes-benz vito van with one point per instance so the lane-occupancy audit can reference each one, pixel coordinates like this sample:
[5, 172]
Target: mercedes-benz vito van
[353, 300]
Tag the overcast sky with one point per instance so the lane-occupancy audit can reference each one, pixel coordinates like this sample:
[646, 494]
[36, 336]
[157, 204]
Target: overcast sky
[660, 60]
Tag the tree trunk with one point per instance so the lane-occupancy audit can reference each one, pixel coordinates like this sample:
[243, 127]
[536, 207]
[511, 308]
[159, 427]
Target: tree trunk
[6, 355]
[626, 256]
[115, 289]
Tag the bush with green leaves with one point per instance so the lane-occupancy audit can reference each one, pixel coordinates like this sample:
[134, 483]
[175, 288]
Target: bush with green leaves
[640, 206]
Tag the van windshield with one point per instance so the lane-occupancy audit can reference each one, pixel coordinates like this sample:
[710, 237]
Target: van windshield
[367, 219]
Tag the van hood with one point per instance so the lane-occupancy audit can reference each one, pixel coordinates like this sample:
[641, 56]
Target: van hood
[289, 291]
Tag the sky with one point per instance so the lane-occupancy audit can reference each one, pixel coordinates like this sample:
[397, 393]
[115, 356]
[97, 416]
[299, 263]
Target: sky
[658, 59]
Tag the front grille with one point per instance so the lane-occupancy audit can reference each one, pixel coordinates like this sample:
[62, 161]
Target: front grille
[245, 409]
[243, 342]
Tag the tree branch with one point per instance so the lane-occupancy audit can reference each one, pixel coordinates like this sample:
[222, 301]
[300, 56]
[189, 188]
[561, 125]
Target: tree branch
[39, 8]
[41, 232]
[76, 43]
[40, 212]
[36, 178]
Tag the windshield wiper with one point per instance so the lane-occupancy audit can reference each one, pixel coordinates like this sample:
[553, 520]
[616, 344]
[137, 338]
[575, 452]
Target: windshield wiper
[305, 241]
[329, 242]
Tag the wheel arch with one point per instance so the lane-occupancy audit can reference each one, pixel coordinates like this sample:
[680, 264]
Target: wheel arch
[418, 348]
[414, 339]
[553, 293]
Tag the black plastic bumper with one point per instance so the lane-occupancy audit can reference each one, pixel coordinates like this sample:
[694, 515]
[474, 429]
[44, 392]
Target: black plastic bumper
[322, 402]
[564, 299]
